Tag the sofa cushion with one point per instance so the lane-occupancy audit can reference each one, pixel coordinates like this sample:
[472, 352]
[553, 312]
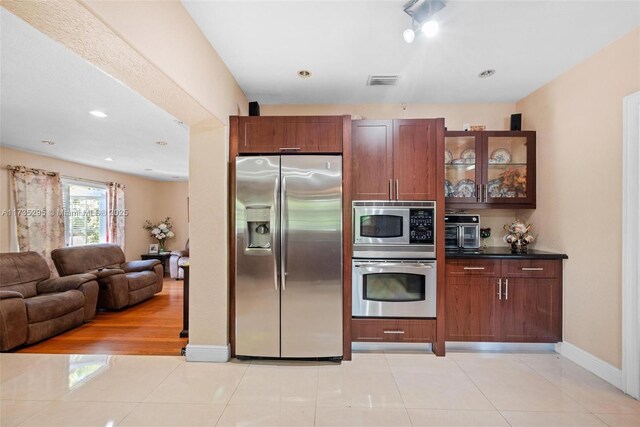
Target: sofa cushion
[141, 279]
[37, 332]
[82, 259]
[21, 271]
[183, 261]
[49, 306]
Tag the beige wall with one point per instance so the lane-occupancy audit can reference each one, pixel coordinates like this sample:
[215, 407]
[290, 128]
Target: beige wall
[578, 117]
[144, 198]
[494, 116]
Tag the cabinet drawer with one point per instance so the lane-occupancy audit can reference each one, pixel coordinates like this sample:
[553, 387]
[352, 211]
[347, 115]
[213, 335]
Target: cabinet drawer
[393, 330]
[531, 268]
[473, 267]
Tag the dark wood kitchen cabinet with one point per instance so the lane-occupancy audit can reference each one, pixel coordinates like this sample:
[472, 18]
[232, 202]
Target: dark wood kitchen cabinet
[393, 330]
[289, 134]
[394, 159]
[504, 300]
[490, 169]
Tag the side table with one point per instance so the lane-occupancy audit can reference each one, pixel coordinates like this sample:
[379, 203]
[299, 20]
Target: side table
[163, 257]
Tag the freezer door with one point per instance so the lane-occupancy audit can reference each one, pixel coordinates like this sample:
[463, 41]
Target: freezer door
[311, 261]
[257, 290]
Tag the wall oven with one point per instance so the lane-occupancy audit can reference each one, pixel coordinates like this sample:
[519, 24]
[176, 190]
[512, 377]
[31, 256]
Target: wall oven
[462, 232]
[394, 288]
[394, 229]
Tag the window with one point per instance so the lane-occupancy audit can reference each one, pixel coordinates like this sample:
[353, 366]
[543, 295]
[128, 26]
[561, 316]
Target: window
[85, 206]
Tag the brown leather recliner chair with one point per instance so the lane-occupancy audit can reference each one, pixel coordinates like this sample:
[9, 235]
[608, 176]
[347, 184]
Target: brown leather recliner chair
[34, 307]
[177, 260]
[121, 283]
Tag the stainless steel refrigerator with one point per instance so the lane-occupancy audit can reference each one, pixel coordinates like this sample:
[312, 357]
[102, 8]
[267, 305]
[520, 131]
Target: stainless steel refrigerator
[288, 290]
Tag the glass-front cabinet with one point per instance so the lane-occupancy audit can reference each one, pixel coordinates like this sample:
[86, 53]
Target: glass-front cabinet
[490, 169]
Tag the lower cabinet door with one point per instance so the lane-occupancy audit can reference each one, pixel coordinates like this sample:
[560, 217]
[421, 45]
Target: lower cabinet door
[531, 310]
[472, 309]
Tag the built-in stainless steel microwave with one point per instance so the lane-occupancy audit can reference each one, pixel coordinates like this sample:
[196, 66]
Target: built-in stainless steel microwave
[394, 229]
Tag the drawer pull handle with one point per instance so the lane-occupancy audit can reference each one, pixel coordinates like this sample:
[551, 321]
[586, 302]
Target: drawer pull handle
[394, 332]
[532, 269]
[474, 268]
[289, 149]
[369, 338]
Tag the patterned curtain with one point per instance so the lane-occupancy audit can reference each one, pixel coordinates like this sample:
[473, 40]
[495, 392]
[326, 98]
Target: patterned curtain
[116, 213]
[37, 197]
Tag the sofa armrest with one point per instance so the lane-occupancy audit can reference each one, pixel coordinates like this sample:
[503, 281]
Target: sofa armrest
[182, 253]
[140, 265]
[62, 284]
[10, 294]
[101, 273]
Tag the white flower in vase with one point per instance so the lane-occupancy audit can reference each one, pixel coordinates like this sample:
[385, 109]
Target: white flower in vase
[170, 234]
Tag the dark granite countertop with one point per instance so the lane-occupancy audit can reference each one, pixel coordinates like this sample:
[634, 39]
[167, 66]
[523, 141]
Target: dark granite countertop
[503, 252]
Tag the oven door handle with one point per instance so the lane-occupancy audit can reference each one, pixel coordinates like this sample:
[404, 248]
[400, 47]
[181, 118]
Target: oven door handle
[460, 236]
[390, 265]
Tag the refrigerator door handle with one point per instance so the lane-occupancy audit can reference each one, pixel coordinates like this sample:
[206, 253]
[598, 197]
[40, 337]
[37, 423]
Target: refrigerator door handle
[283, 233]
[274, 234]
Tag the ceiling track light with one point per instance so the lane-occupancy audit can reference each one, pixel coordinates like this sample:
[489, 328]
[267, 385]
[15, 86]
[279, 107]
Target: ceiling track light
[421, 12]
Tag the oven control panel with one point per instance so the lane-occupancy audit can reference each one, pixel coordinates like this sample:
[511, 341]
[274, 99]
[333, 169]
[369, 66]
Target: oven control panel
[421, 226]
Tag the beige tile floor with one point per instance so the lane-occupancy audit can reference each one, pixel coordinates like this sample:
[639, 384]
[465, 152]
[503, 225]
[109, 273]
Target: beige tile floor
[375, 389]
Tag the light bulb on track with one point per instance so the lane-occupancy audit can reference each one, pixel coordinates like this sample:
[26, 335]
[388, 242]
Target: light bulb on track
[409, 35]
[430, 28]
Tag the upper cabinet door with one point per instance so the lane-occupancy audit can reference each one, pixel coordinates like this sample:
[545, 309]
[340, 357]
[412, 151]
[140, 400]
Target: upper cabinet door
[414, 159]
[284, 134]
[509, 168]
[463, 171]
[372, 159]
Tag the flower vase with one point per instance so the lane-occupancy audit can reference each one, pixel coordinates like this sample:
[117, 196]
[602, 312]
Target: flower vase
[519, 247]
[160, 246]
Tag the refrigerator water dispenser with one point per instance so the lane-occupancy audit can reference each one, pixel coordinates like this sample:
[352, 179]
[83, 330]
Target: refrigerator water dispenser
[259, 227]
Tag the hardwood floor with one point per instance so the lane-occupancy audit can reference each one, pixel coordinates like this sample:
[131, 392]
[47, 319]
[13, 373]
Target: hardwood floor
[150, 328]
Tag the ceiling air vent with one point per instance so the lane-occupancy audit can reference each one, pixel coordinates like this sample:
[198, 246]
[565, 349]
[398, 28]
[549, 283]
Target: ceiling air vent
[383, 80]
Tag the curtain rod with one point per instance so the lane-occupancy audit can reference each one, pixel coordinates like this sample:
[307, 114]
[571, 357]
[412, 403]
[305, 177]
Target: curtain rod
[34, 170]
[92, 181]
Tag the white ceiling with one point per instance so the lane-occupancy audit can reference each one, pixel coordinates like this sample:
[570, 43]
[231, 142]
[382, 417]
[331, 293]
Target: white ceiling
[47, 93]
[528, 43]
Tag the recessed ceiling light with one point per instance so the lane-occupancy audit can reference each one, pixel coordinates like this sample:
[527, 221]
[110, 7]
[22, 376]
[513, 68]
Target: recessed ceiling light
[305, 74]
[486, 73]
[148, 170]
[108, 159]
[48, 142]
[99, 114]
[175, 177]
[162, 143]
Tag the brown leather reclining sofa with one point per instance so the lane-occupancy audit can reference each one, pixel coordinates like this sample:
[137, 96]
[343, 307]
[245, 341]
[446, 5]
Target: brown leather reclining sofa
[121, 283]
[34, 307]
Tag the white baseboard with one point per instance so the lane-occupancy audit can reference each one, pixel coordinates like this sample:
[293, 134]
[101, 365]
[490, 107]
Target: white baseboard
[591, 363]
[207, 353]
[498, 346]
